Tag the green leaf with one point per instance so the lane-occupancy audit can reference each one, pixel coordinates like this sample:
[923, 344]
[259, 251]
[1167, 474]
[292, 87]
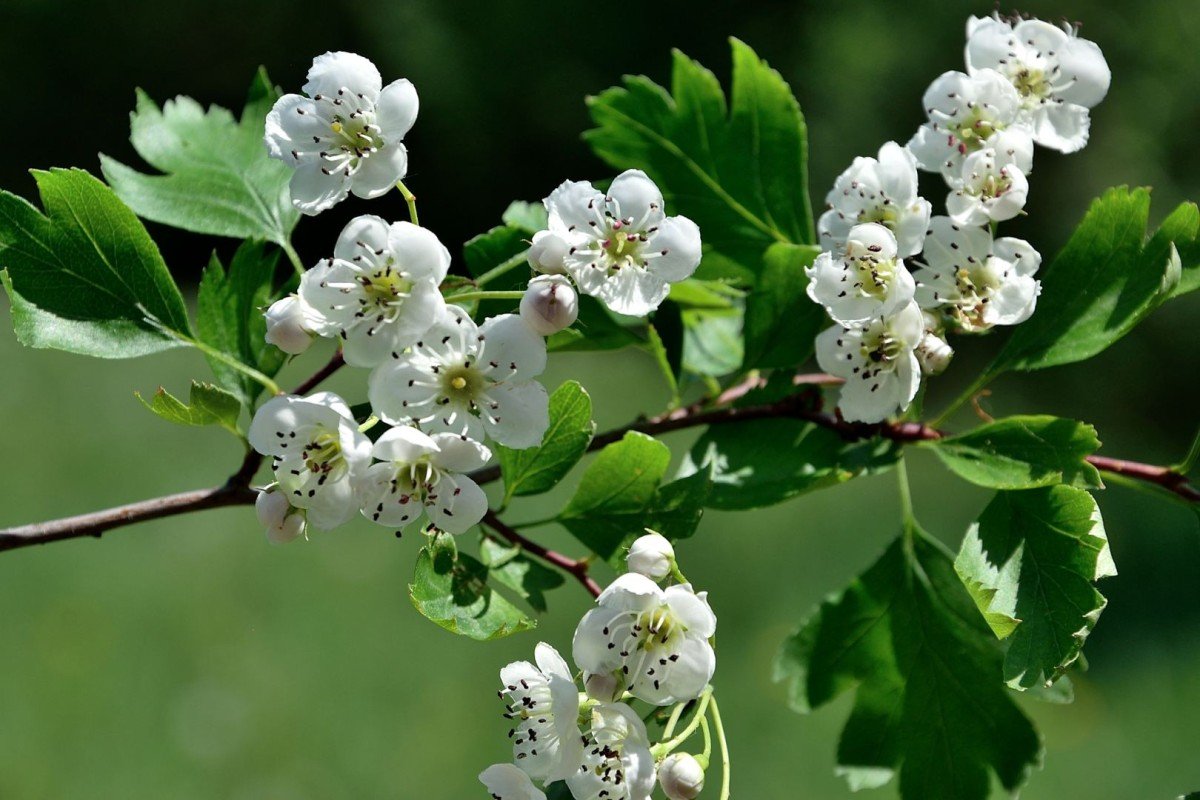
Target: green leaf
[86, 277]
[207, 405]
[529, 217]
[781, 321]
[666, 348]
[712, 340]
[228, 317]
[596, 329]
[929, 703]
[764, 462]
[529, 579]
[739, 170]
[450, 589]
[539, 469]
[1101, 284]
[619, 496]
[1030, 563]
[1183, 226]
[1023, 453]
[217, 177]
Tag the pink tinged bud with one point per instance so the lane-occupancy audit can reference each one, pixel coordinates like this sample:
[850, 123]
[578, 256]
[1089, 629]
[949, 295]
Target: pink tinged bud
[605, 688]
[550, 304]
[285, 326]
[282, 522]
[651, 555]
[681, 777]
[547, 252]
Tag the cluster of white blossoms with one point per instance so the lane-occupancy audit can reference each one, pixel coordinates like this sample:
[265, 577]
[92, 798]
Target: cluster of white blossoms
[1027, 82]
[641, 642]
[446, 384]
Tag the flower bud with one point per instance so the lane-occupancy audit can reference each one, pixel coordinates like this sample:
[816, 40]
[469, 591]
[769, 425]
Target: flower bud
[550, 304]
[547, 252]
[651, 555]
[681, 776]
[604, 687]
[933, 353]
[285, 326]
[282, 522]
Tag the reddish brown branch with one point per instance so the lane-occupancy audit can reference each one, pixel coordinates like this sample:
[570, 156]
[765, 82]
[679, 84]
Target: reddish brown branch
[576, 568]
[1162, 476]
[320, 375]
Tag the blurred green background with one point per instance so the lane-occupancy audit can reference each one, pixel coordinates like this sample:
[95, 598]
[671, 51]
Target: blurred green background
[187, 658]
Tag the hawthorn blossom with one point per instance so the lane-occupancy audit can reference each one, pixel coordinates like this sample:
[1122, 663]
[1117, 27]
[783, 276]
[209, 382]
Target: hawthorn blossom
[882, 190]
[877, 362]
[281, 521]
[616, 763]
[974, 281]
[622, 248]
[657, 639]
[418, 472]
[468, 380]
[866, 280]
[969, 113]
[544, 708]
[379, 292]
[1058, 75]
[990, 188]
[651, 555]
[317, 453]
[345, 136]
[506, 782]
[681, 777]
[287, 325]
[550, 304]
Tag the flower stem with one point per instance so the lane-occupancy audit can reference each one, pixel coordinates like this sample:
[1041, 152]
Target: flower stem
[706, 756]
[411, 199]
[976, 386]
[294, 257]
[906, 503]
[664, 748]
[502, 268]
[676, 713]
[1193, 455]
[467, 297]
[247, 370]
[719, 730]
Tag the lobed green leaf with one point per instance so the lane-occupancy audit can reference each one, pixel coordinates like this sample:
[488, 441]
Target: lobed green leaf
[539, 469]
[207, 405]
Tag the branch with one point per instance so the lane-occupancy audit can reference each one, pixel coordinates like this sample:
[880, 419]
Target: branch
[578, 569]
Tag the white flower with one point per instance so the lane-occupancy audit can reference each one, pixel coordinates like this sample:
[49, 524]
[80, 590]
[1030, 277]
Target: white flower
[282, 522]
[877, 362]
[651, 555]
[546, 253]
[681, 777]
[506, 782]
[882, 190]
[287, 325]
[656, 638]
[866, 280]
[550, 304]
[379, 292]
[975, 281]
[545, 709]
[933, 352]
[622, 249]
[991, 188]
[318, 452]
[1057, 75]
[617, 763]
[422, 472]
[469, 380]
[346, 135]
[968, 113]
[605, 687]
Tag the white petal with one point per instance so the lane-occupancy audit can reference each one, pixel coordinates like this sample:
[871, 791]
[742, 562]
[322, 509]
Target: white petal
[692, 610]
[1014, 145]
[677, 243]
[1086, 73]
[522, 414]
[568, 207]
[988, 44]
[631, 291]
[688, 676]
[875, 399]
[418, 252]
[364, 239]
[550, 662]
[897, 171]
[933, 150]
[457, 454]
[400, 391]
[457, 504]
[507, 782]
[637, 198]
[378, 172]
[1061, 126]
[631, 592]
[314, 191]
[404, 444]
[330, 506]
[333, 71]
[396, 109]
[910, 227]
[1013, 302]
[590, 646]
[386, 500]
[291, 126]
[516, 349]
[1019, 253]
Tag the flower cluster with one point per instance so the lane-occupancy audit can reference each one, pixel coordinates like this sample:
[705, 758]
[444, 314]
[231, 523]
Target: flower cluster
[641, 642]
[1027, 82]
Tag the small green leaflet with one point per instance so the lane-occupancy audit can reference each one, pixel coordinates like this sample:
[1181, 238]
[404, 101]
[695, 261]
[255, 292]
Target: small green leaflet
[619, 496]
[929, 703]
[207, 405]
[738, 169]
[229, 317]
[86, 277]
[1023, 453]
[217, 176]
[509, 567]
[781, 321]
[1030, 563]
[451, 589]
[539, 469]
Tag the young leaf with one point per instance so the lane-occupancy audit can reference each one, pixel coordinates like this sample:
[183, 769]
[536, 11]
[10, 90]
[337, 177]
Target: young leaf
[529, 579]
[1023, 453]
[451, 589]
[228, 317]
[207, 405]
[86, 277]
[781, 321]
[712, 340]
[929, 703]
[1101, 284]
[1029, 563]
[217, 177]
[539, 469]
[740, 172]
[764, 462]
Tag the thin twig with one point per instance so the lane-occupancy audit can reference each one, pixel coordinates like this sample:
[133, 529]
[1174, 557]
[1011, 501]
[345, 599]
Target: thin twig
[577, 568]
